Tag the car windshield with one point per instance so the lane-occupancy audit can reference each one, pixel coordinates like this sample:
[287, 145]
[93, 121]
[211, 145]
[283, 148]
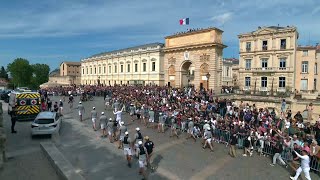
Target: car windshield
[44, 121]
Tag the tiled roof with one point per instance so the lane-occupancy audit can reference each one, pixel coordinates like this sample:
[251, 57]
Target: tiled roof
[72, 63]
[129, 49]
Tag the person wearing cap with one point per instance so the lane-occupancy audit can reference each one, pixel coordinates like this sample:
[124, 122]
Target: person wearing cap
[137, 137]
[151, 118]
[142, 154]
[208, 139]
[127, 147]
[116, 105]
[107, 102]
[162, 120]
[132, 111]
[103, 122]
[110, 126]
[206, 125]
[149, 145]
[305, 166]
[94, 116]
[81, 110]
[122, 131]
[60, 107]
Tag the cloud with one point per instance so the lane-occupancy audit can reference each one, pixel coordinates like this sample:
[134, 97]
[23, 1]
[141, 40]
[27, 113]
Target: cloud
[222, 18]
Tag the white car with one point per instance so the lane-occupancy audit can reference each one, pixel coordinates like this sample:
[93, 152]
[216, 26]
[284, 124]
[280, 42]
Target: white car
[46, 123]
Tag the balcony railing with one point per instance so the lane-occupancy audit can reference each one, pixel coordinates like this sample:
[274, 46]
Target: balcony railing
[248, 49]
[283, 47]
[269, 69]
[264, 48]
[226, 78]
[281, 89]
[263, 88]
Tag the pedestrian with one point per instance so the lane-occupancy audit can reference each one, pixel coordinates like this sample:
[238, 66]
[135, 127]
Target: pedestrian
[137, 137]
[132, 110]
[107, 102]
[56, 108]
[103, 122]
[278, 149]
[149, 145]
[81, 110]
[174, 127]
[190, 130]
[122, 131]
[110, 126]
[71, 101]
[305, 166]
[142, 155]
[127, 144]
[49, 104]
[94, 116]
[162, 120]
[151, 118]
[13, 122]
[233, 143]
[118, 114]
[61, 107]
[208, 139]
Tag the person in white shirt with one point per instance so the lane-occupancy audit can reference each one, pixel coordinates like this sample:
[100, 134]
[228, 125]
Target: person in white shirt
[305, 167]
[118, 114]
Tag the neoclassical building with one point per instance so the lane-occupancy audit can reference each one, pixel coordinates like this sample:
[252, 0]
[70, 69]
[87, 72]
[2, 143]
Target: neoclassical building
[194, 58]
[228, 66]
[135, 65]
[267, 60]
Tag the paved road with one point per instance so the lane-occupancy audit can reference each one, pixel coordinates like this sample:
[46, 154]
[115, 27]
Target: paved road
[96, 158]
[25, 159]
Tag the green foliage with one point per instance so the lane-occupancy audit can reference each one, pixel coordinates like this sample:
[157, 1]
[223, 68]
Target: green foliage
[3, 73]
[26, 75]
[40, 74]
[21, 72]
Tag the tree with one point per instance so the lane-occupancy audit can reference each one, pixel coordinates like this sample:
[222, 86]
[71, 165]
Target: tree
[3, 73]
[40, 74]
[21, 72]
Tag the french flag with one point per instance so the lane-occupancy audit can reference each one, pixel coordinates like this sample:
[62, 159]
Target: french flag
[184, 21]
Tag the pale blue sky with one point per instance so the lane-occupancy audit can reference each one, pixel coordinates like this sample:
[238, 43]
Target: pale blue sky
[53, 31]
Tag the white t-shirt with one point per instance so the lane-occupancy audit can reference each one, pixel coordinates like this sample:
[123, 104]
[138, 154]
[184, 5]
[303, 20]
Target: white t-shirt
[118, 114]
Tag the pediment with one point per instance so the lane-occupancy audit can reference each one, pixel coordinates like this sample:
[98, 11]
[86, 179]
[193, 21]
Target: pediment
[264, 31]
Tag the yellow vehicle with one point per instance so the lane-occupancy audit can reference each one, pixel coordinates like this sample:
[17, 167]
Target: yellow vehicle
[24, 104]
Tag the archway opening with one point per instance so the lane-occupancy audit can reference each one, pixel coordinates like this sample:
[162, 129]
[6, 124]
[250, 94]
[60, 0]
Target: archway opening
[187, 74]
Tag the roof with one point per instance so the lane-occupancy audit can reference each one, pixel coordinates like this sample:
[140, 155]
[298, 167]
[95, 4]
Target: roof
[72, 63]
[306, 48]
[272, 28]
[54, 72]
[193, 31]
[46, 115]
[128, 49]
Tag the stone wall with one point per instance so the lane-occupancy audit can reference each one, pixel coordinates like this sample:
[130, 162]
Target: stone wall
[2, 138]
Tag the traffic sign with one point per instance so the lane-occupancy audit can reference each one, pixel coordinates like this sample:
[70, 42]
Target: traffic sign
[34, 102]
[22, 102]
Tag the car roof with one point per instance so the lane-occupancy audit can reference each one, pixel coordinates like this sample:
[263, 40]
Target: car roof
[46, 115]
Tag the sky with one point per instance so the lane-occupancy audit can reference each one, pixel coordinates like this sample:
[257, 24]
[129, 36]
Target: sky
[53, 31]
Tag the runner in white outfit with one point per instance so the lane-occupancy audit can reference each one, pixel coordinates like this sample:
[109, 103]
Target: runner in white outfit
[305, 167]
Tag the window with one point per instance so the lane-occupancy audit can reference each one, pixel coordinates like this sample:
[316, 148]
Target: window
[135, 67]
[304, 84]
[264, 63]
[247, 81]
[227, 73]
[82, 71]
[264, 45]
[104, 69]
[248, 46]
[121, 68]
[95, 70]
[144, 67]
[153, 66]
[282, 64]
[248, 64]
[99, 70]
[110, 69]
[305, 52]
[128, 67]
[282, 82]
[264, 81]
[90, 70]
[87, 70]
[316, 68]
[304, 67]
[115, 68]
[283, 44]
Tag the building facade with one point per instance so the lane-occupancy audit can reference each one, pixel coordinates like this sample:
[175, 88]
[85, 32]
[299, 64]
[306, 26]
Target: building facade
[136, 65]
[307, 69]
[267, 59]
[228, 65]
[194, 58]
[70, 69]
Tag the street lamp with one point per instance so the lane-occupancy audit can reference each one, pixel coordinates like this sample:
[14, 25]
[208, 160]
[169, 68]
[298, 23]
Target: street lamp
[208, 76]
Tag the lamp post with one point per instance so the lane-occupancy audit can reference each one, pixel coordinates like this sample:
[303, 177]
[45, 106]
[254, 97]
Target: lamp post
[208, 76]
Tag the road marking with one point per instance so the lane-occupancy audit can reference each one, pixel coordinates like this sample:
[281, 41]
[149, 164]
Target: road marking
[167, 174]
[211, 169]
